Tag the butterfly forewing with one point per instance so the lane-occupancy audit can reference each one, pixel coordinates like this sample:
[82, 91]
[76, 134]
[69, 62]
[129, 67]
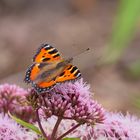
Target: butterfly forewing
[46, 53]
[70, 73]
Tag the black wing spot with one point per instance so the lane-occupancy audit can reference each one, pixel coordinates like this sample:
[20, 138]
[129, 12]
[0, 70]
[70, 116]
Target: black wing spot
[45, 59]
[56, 55]
[77, 73]
[69, 67]
[73, 69]
[62, 74]
[53, 51]
[40, 48]
[47, 47]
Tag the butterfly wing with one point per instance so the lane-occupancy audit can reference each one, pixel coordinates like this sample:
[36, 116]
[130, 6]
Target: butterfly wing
[46, 53]
[32, 73]
[44, 86]
[70, 73]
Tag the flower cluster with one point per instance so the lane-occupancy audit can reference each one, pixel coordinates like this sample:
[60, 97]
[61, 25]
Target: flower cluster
[67, 101]
[13, 99]
[115, 127]
[10, 130]
[72, 101]
[70, 108]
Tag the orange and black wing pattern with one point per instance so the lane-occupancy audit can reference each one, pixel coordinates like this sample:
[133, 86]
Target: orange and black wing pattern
[32, 73]
[43, 86]
[70, 73]
[46, 53]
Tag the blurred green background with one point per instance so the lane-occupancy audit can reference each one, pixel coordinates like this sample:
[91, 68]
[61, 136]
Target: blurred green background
[110, 28]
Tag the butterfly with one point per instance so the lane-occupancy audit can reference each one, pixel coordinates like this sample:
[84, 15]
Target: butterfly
[50, 68]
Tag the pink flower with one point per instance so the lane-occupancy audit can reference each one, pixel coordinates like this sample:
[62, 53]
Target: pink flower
[72, 101]
[10, 130]
[118, 127]
[67, 101]
[115, 127]
[81, 132]
[12, 98]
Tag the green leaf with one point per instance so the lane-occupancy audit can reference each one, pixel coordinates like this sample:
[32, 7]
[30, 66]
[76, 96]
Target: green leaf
[25, 124]
[124, 28]
[71, 139]
[134, 70]
[136, 102]
[40, 139]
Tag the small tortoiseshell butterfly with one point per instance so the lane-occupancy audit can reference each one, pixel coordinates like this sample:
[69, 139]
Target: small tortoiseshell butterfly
[49, 68]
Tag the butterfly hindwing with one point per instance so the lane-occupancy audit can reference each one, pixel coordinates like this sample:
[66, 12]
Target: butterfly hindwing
[31, 76]
[44, 86]
[70, 73]
[46, 53]
[32, 73]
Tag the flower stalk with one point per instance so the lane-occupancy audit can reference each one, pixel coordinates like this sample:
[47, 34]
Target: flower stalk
[69, 131]
[39, 124]
[55, 128]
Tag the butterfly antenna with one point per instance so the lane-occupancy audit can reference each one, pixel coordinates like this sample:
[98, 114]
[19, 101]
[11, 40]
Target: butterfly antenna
[81, 52]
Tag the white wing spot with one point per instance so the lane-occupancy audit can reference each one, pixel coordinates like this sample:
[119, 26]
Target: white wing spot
[47, 46]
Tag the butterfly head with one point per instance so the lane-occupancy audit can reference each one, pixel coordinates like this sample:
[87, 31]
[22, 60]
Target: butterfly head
[64, 63]
[69, 60]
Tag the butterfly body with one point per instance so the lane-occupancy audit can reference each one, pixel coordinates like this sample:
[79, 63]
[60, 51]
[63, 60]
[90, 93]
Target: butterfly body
[49, 68]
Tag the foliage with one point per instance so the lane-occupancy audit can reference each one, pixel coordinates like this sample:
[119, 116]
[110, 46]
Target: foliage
[124, 28]
[25, 124]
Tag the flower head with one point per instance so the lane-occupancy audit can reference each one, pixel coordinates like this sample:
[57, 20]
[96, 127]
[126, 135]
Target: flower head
[11, 130]
[12, 98]
[116, 127]
[65, 125]
[72, 101]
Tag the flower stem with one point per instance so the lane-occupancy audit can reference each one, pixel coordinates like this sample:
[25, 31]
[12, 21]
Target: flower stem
[44, 101]
[67, 118]
[39, 123]
[69, 131]
[55, 128]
